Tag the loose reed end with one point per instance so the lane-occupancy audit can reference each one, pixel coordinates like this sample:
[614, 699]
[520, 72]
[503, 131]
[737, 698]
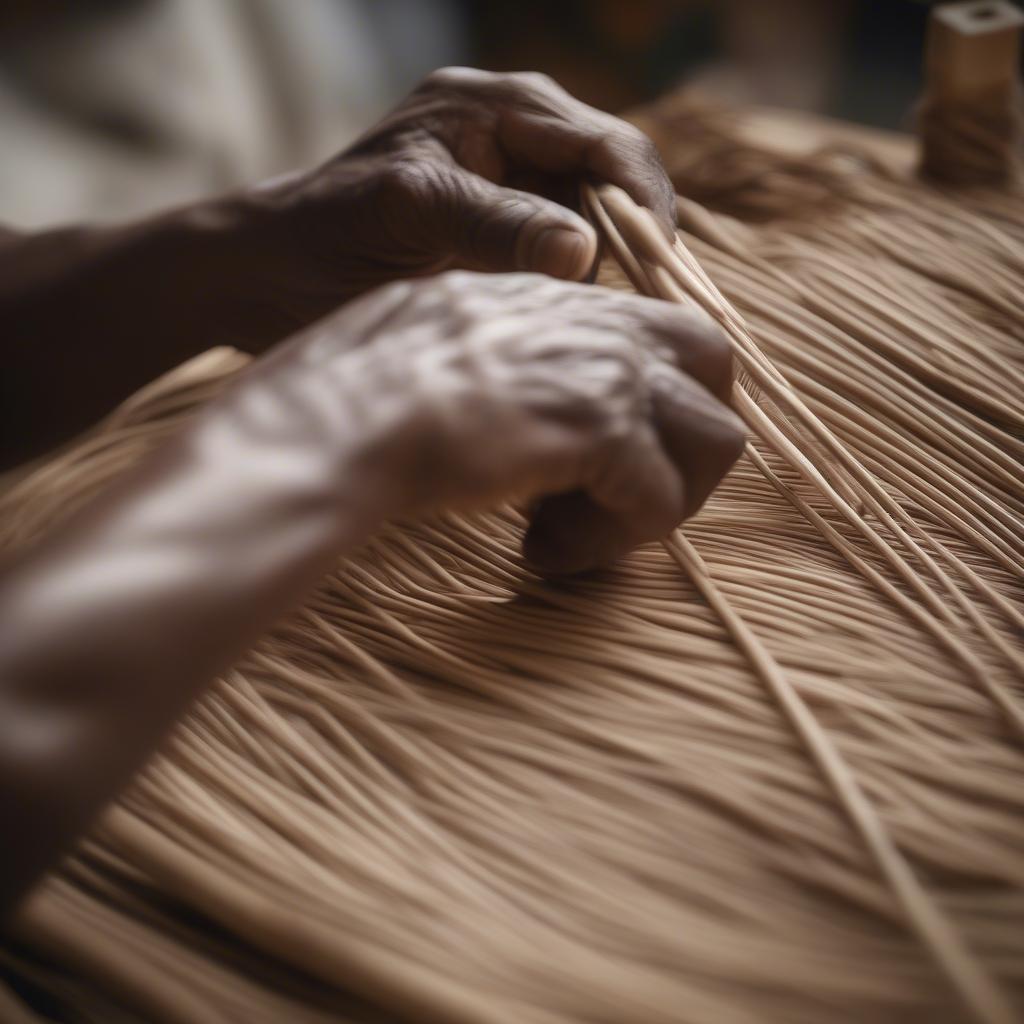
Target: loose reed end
[970, 121]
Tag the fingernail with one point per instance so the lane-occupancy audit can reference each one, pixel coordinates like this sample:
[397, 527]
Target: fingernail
[561, 252]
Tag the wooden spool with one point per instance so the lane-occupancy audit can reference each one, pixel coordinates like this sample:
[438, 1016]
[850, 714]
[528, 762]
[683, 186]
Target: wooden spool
[969, 118]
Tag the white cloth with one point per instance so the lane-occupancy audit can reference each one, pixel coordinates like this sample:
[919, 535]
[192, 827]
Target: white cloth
[213, 93]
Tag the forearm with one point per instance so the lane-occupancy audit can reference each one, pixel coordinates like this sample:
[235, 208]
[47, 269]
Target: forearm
[115, 622]
[455, 393]
[88, 315]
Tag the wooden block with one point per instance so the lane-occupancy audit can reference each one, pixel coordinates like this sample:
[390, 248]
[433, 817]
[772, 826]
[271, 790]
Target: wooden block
[973, 49]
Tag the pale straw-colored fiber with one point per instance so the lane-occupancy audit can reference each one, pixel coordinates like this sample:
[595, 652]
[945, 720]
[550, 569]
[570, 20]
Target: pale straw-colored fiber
[769, 772]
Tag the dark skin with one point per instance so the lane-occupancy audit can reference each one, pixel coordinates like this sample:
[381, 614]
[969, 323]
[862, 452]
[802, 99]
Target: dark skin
[608, 409]
[433, 186]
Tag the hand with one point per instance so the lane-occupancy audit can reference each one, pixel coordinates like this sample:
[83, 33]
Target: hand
[456, 391]
[473, 170]
[471, 388]
[465, 173]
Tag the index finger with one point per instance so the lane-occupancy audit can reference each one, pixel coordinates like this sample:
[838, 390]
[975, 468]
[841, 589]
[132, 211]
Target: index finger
[700, 348]
[685, 337]
[541, 126]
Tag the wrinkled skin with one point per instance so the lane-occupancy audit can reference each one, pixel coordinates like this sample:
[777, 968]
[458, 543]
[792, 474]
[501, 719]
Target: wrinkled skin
[87, 315]
[490, 386]
[462, 174]
[606, 410]
[531, 387]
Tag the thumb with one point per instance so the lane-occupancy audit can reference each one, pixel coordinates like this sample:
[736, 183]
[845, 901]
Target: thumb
[502, 229]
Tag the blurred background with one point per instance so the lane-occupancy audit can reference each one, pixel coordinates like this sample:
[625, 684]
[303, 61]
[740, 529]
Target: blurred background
[109, 108]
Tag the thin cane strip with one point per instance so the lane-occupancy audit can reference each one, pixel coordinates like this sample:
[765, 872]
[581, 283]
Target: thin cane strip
[969, 978]
[475, 795]
[876, 498]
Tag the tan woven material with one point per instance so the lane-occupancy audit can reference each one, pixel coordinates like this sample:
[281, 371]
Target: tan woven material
[768, 772]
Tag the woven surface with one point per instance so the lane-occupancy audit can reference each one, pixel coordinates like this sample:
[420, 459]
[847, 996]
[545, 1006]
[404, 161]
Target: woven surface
[446, 790]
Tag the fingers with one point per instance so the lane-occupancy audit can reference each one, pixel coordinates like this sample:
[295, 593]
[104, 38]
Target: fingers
[539, 126]
[698, 346]
[607, 400]
[542, 126]
[643, 488]
[634, 495]
[500, 229]
[700, 434]
[682, 336]
[570, 533]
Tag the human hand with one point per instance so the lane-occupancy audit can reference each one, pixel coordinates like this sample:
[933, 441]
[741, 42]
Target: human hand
[468, 388]
[474, 170]
[456, 391]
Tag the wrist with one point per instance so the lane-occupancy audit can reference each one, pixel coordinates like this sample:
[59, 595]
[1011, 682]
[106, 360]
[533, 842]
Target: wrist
[233, 260]
[304, 430]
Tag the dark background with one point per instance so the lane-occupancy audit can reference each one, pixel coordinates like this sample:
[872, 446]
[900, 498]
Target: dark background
[109, 108]
[855, 59]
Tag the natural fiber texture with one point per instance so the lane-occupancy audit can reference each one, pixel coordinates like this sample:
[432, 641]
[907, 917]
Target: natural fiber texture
[768, 772]
[974, 142]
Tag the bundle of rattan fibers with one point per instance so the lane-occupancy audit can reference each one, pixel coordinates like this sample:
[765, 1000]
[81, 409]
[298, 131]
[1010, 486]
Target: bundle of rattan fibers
[767, 772]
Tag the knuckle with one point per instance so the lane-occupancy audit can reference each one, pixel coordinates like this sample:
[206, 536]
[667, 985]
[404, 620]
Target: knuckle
[620, 352]
[662, 377]
[439, 76]
[532, 80]
[398, 293]
[627, 398]
[636, 138]
[703, 348]
[643, 144]
[604, 382]
[660, 323]
[439, 302]
[402, 179]
[606, 148]
[627, 143]
[457, 283]
[448, 77]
